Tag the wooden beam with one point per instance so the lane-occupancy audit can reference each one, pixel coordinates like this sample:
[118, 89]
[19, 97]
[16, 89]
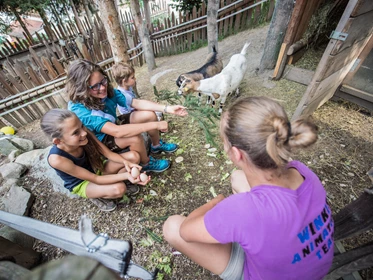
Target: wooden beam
[353, 260]
[298, 75]
[289, 37]
[355, 218]
[358, 29]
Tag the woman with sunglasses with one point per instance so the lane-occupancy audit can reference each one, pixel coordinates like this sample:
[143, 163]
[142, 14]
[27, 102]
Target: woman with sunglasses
[94, 101]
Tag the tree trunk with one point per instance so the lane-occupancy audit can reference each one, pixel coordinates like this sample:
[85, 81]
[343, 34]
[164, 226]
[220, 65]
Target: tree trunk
[148, 17]
[77, 20]
[144, 35]
[212, 25]
[19, 19]
[276, 33]
[114, 33]
[88, 13]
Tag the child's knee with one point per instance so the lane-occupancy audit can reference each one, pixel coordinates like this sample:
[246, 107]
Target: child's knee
[149, 116]
[171, 228]
[133, 157]
[119, 190]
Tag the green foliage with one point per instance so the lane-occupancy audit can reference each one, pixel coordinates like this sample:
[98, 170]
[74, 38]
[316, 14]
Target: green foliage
[205, 116]
[153, 236]
[163, 263]
[186, 5]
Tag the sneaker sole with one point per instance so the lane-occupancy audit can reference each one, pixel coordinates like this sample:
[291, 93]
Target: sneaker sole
[109, 210]
[168, 152]
[158, 171]
[104, 210]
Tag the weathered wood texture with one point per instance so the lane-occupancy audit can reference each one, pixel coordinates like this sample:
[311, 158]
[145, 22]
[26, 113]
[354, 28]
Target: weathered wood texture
[299, 75]
[24, 257]
[354, 260]
[300, 17]
[72, 267]
[354, 218]
[336, 61]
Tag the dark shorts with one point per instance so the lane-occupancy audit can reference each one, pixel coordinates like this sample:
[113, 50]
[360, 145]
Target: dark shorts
[109, 141]
[124, 119]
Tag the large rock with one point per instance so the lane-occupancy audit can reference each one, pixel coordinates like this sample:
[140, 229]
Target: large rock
[12, 271]
[17, 237]
[6, 146]
[13, 143]
[22, 256]
[25, 144]
[41, 170]
[17, 201]
[7, 184]
[30, 158]
[73, 267]
[12, 170]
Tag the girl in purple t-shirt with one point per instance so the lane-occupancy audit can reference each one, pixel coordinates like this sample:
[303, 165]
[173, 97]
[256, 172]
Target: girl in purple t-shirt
[277, 225]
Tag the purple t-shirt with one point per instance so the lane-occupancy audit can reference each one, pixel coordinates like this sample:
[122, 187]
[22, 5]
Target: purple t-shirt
[286, 234]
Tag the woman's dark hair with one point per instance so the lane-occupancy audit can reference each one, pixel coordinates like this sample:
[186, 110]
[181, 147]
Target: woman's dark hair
[52, 125]
[76, 87]
[260, 127]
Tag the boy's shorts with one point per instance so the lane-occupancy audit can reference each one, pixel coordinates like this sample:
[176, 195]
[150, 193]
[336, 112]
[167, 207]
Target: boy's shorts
[234, 269]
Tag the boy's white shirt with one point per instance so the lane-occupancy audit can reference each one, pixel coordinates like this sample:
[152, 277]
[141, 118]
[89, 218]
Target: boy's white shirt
[129, 108]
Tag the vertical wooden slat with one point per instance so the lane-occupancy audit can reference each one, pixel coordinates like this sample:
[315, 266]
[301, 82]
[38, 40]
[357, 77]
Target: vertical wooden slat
[19, 86]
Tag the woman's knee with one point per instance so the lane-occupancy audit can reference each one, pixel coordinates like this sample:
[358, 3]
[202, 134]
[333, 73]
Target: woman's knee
[171, 228]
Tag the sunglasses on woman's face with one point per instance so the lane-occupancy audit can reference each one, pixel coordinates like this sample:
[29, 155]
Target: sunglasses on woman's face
[97, 86]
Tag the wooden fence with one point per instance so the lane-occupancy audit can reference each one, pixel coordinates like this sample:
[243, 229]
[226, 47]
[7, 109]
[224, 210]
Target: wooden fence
[29, 88]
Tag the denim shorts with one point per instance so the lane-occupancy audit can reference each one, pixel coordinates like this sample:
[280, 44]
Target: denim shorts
[234, 269]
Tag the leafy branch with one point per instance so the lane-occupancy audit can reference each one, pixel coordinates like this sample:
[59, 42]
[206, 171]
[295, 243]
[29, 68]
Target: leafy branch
[206, 116]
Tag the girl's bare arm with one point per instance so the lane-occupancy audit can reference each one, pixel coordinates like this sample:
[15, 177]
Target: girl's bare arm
[193, 229]
[65, 165]
[128, 130]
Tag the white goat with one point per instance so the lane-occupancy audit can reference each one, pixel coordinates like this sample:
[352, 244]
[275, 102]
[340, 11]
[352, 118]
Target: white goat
[220, 85]
[213, 65]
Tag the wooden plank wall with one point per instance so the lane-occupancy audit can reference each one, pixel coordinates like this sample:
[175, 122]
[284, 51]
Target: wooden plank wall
[339, 56]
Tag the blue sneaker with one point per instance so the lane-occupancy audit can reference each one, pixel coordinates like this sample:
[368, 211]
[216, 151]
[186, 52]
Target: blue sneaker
[156, 165]
[164, 147]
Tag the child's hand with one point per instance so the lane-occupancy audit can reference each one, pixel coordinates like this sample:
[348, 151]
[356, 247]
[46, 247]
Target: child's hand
[128, 165]
[177, 110]
[143, 183]
[162, 126]
[138, 180]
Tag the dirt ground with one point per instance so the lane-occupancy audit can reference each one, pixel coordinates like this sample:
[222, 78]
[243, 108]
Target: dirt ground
[341, 158]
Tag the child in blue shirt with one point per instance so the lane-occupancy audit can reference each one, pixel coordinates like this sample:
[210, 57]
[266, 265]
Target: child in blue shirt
[124, 75]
